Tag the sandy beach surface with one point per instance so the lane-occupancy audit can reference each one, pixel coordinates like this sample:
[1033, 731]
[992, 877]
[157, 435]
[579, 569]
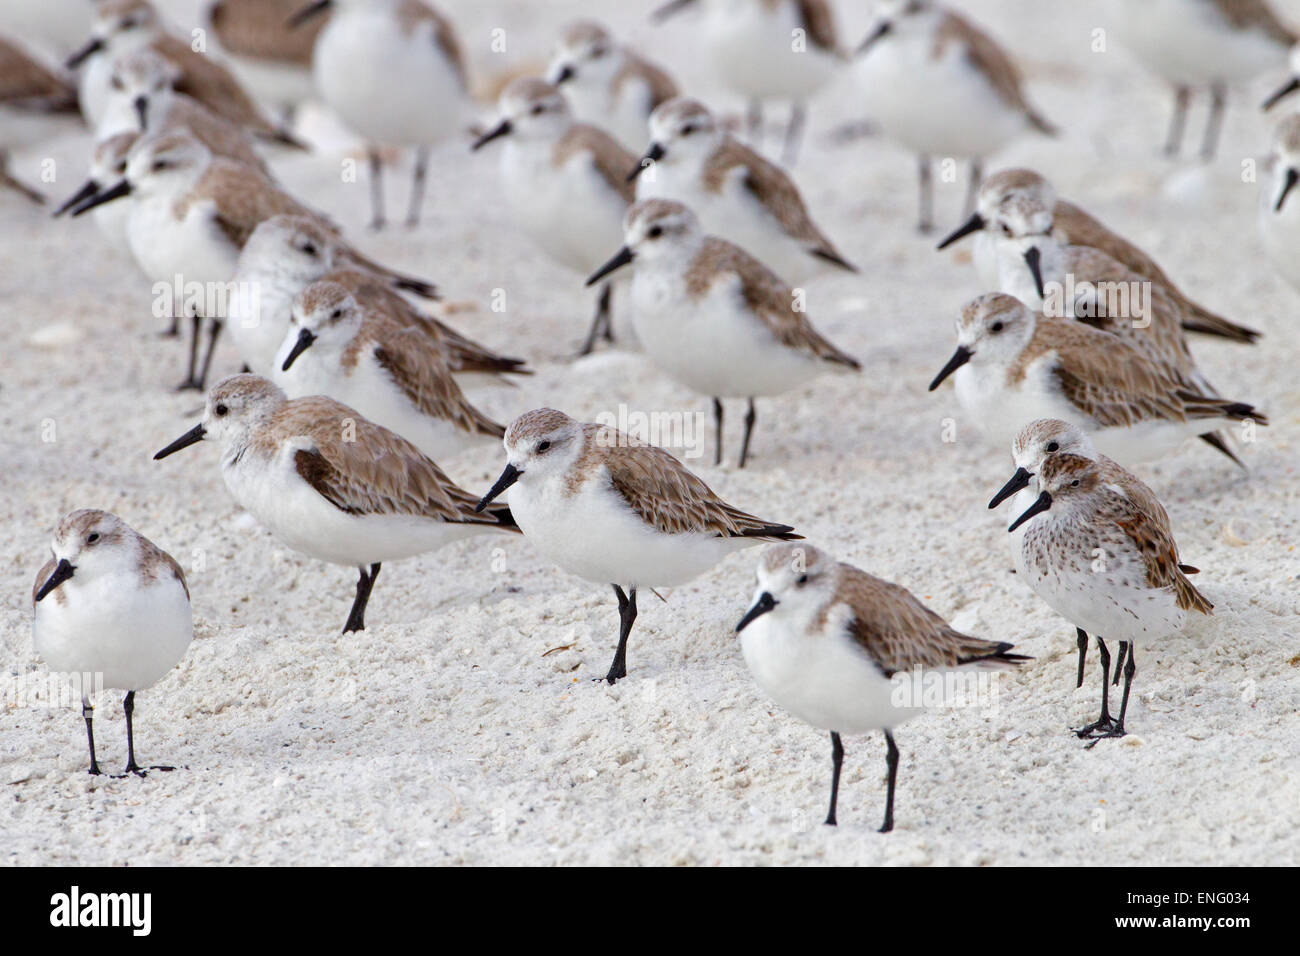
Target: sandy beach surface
[463, 726]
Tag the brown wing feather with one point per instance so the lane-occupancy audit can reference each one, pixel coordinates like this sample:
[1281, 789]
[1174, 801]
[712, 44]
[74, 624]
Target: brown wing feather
[818, 22]
[416, 367]
[1248, 14]
[769, 298]
[1150, 533]
[668, 497]
[610, 159]
[26, 83]
[661, 85]
[364, 469]
[412, 13]
[249, 199]
[213, 85]
[992, 61]
[899, 633]
[259, 29]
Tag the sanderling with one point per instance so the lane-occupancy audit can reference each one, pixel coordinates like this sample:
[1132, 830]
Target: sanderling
[1043, 439]
[713, 317]
[1013, 367]
[191, 213]
[35, 102]
[824, 640]
[566, 182]
[121, 27]
[612, 510]
[394, 376]
[1279, 207]
[607, 83]
[942, 87]
[1195, 43]
[142, 99]
[769, 50]
[285, 254]
[112, 609]
[737, 194]
[332, 484]
[269, 54]
[1020, 202]
[1105, 563]
[394, 71]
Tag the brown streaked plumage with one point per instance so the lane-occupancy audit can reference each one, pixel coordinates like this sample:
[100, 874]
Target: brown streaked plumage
[773, 190]
[770, 299]
[991, 61]
[662, 86]
[608, 158]
[1256, 15]
[426, 380]
[663, 492]
[28, 84]
[259, 29]
[214, 86]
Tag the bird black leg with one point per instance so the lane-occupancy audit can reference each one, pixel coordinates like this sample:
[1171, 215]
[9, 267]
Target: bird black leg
[750, 417]
[837, 761]
[717, 427]
[172, 331]
[128, 708]
[1174, 141]
[417, 186]
[1119, 662]
[891, 759]
[1117, 729]
[1102, 725]
[925, 199]
[376, 191]
[88, 714]
[191, 375]
[214, 332]
[973, 187]
[600, 323]
[754, 120]
[626, 615]
[1218, 99]
[794, 133]
[1083, 653]
[357, 616]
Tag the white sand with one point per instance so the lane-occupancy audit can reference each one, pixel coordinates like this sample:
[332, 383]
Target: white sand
[446, 732]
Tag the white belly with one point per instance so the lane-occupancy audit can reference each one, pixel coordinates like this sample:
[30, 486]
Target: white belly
[388, 88]
[940, 107]
[258, 319]
[166, 248]
[752, 51]
[111, 626]
[1186, 42]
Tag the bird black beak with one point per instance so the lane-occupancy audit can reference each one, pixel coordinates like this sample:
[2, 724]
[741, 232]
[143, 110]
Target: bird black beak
[974, 224]
[764, 604]
[959, 358]
[108, 195]
[305, 338]
[91, 48]
[1034, 258]
[872, 37]
[1019, 480]
[1291, 178]
[621, 258]
[309, 11]
[668, 9]
[566, 73]
[142, 111]
[508, 478]
[62, 571]
[1282, 93]
[85, 192]
[1042, 504]
[652, 156]
[504, 128]
[195, 434]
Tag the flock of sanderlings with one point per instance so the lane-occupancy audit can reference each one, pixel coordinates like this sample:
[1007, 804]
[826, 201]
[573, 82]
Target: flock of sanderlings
[696, 243]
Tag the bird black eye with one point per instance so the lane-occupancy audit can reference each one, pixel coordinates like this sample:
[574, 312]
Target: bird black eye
[802, 580]
[542, 446]
[309, 249]
[92, 538]
[654, 232]
[995, 327]
[336, 314]
[1075, 483]
[538, 110]
[160, 164]
[117, 83]
[1053, 446]
[688, 130]
[221, 410]
[1006, 230]
[598, 52]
